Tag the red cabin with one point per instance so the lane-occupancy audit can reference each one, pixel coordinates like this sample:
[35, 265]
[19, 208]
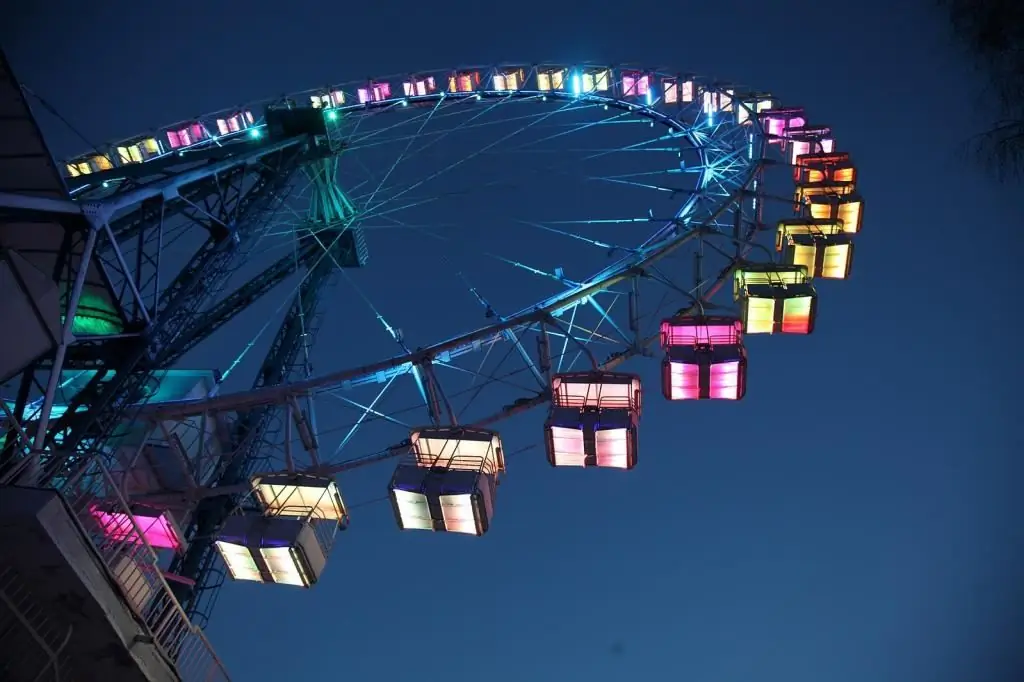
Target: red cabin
[820, 174]
[704, 358]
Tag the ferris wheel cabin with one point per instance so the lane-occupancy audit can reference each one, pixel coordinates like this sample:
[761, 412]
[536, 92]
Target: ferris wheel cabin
[704, 358]
[809, 140]
[826, 256]
[419, 86]
[157, 527]
[273, 549]
[289, 540]
[448, 481]
[830, 174]
[775, 299]
[300, 495]
[848, 210]
[593, 420]
[508, 79]
[778, 121]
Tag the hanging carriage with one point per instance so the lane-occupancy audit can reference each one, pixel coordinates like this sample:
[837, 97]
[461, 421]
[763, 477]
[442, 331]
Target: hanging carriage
[448, 481]
[704, 358]
[775, 299]
[593, 420]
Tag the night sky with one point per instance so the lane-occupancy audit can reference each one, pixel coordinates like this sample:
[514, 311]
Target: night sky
[854, 518]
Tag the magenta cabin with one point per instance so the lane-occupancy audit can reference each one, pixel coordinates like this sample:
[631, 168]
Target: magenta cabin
[154, 527]
[704, 358]
[374, 92]
[186, 135]
[638, 84]
[234, 123]
[777, 122]
[593, 420]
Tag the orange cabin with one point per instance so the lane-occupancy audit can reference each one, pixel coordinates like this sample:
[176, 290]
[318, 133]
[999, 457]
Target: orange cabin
[464, 81]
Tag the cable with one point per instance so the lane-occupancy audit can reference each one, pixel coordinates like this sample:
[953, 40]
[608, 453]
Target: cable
[53, 111]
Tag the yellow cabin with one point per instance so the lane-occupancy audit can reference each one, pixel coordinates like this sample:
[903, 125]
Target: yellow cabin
[137, 152]
[508, 80]
[828, 256]
[596, 80]
[800, 226]
[327, 100]
[775, 299]
[301, 495]
[848, 210]
[96, 163]
[549, 79]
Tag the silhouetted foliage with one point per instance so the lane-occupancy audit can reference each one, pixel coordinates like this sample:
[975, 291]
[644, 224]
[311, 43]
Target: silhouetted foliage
[992, 31]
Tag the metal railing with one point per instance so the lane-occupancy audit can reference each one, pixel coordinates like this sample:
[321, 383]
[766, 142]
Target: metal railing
[565, 398]
[94, 499]
[483, 465]
[32, 645]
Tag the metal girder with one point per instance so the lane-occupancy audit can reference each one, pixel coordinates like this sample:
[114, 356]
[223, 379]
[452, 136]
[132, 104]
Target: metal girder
[345, 251]
[329, 243]
[292, 338]
[126, 364]
[26, 167]
[227, 308]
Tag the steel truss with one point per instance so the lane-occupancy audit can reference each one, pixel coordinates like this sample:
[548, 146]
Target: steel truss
[162, 322]
[326, 247]
[232, 200]
[232, 193]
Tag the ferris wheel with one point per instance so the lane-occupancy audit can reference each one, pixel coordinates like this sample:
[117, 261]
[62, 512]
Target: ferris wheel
[463, 245]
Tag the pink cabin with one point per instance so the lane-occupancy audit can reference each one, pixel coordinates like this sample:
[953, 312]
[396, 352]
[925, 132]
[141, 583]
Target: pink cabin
[419, 86]
[186, 136]
[676, 90]
[234, 123]
[636, 84]
[593, 420]
[157, 528]
[374, 91]
[778, 121]
[809, 140]
[704, 358]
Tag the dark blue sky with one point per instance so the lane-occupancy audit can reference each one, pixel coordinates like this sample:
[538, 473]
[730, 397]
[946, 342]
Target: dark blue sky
[854, 518]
